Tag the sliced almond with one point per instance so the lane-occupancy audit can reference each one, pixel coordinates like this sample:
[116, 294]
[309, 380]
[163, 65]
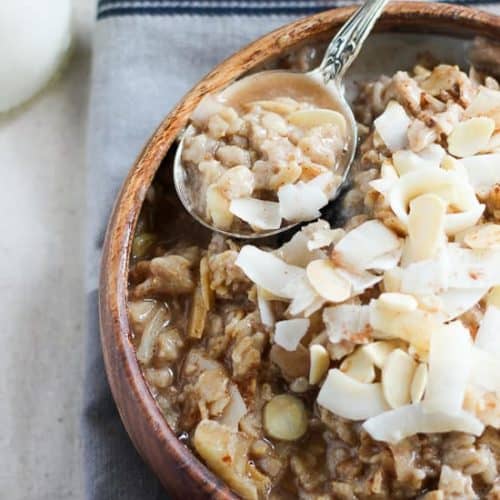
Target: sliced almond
[281, 107]
[483, 236]
[380, 350]
[348, 398]
[426, 223]
[493, 297]
[470, 136]
[327, 282]
[359, 366]
[419, 383]
[320, 361]
[206, 290]
[397, 375]
[398, 302]
[309, 118]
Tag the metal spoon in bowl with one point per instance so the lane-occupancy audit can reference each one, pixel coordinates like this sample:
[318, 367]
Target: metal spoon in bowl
[324, 82]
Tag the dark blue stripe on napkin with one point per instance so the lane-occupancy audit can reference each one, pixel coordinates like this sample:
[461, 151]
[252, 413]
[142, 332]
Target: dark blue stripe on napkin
[112, 8]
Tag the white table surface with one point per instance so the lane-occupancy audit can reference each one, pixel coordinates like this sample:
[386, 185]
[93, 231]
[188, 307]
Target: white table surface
[42, 177]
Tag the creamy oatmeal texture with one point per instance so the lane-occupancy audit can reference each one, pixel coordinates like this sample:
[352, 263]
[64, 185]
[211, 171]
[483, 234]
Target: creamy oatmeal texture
[356, 362]
[263, 163]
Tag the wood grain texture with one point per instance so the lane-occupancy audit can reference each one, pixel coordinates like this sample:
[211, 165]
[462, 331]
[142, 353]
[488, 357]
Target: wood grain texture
[179, 471]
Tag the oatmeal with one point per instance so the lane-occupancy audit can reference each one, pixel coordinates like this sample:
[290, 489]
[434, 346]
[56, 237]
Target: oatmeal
[360, 361]
[263, 163]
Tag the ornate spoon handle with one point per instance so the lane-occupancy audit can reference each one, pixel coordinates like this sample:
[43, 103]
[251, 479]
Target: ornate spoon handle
[344, 48]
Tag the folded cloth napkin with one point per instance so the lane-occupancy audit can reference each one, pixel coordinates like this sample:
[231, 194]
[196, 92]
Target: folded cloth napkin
[147, 54]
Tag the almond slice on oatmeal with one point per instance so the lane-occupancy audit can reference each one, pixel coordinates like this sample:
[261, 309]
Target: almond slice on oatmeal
[308, 118]
[268, 271]
[397, 375]
[362, 245]
[397, 302]
[449, 368]
[319, 363]
[395, 425]
[392, 126]
[289, 333]
[260, 214]
[419, 383]
[359, 366]
[348, 398]
[327, 282]
[426, 222]
[470, 136]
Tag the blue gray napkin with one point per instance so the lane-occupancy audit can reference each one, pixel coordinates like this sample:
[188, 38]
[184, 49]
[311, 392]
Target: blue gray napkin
[147, 54]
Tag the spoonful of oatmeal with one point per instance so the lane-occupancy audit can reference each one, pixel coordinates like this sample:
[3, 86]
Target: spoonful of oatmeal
[273, 148]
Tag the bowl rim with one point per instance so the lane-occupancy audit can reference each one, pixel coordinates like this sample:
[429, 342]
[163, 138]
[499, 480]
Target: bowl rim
[176, 466]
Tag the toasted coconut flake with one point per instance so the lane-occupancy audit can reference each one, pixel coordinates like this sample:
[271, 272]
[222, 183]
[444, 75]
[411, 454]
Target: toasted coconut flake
[493, 297]
[414, 327]
[483, 236]
[483, 171]
[426, 226]
[380, 350]
[327, 282]
[485, 103]
[309, 118]
[320, 361]
[449, 367]
[258, 213]
[327, 182]
[359, 366]
[419, 383]
[364, 244]
[235, 409]
[449, 186]
[265, 309]
[395, 425]
[488, 335]
[348, 398]
[392, 126]
[397, 302]
[426, 277]
[289, 333]
[301, 202]
[397, 375]
[455, 301]
[347, 322]
[470, 136]
[485, 369]
[473, 268]
[268, 271]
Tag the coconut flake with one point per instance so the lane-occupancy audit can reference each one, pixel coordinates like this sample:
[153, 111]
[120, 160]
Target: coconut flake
[268, 271]
[483, 171]
[455, 301]
[387, 261]
[485, 103]
[235, 409]
[470, 136]
[348, 398]
[364, 244]
[327, 182]
[265, 309]
[347, 322]
[392, 126]
[485, 369]
[426, 277]
[289, 333]
[449, 368]
[488, 335]
[258, 213]
[406, 161]
[301, 202]
[398, 424]
[359, 281]
[305, 299]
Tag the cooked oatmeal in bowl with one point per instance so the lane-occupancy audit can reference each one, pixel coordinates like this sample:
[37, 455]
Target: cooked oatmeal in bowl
[359, 361]
[265, 155]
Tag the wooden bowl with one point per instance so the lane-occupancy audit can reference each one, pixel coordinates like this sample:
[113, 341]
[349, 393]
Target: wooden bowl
[178, 469]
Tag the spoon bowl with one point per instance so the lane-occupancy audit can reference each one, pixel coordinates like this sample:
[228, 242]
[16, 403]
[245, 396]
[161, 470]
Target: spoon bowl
[321, 87]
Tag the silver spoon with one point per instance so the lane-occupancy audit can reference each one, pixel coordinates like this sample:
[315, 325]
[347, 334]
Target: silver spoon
[325, 81]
